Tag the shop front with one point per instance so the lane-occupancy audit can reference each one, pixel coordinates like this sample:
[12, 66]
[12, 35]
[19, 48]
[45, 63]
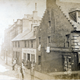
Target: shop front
[28, 56]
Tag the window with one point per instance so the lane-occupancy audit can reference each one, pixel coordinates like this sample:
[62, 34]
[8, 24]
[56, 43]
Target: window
[15, 44]
[28, 57]
[31, 44]
[25, 44]
[18, 44]
[24, 56]
[28, 44]
[67, 40]
[49, 23]
[39, 60]
[39, 40]
[49, 39]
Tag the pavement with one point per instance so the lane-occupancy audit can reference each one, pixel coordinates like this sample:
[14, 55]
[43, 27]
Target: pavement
[40, 76]
[7, 72]
[14, 74]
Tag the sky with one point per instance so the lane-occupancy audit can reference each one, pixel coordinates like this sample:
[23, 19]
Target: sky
[11, 10]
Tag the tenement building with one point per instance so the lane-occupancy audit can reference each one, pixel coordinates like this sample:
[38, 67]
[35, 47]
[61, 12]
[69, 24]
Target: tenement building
[9, 34]
[58, 38]
[24, 44]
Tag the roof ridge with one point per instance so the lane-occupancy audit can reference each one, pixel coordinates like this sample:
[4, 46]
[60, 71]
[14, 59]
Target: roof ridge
[73, 23]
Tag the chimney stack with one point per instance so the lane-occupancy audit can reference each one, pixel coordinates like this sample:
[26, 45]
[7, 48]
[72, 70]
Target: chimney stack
[35, 11]
[35, 6]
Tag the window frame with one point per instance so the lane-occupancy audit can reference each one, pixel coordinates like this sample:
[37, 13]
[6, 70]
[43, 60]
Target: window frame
[25, 44]
[31, 43]
[39, 40]
[49, 23]
[49, 39]
[39, 60]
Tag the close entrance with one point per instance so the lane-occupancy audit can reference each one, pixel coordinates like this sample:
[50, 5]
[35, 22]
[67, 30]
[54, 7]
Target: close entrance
[67, 63]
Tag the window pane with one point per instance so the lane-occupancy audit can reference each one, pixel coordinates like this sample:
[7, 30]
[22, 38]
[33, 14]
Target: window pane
[39, 60]
[39, 40]
[49, 39]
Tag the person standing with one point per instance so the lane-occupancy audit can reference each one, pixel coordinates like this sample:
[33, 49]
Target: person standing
[13, 65]
[22, 70]
[32, 70]
[21, 73]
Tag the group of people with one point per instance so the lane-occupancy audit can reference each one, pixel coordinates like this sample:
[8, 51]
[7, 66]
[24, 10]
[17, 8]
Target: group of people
[29, 65]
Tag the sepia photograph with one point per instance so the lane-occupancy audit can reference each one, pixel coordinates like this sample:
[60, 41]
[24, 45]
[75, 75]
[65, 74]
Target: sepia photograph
[39, 39]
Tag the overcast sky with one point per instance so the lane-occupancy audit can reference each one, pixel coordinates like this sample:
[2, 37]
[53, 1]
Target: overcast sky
[15, 9]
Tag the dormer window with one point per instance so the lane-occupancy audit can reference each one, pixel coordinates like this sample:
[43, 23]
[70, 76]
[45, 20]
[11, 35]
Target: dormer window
[75, 15]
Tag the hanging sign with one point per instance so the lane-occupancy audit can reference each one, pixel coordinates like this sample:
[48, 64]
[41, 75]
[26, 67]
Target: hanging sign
[48, 50]
[39, 48]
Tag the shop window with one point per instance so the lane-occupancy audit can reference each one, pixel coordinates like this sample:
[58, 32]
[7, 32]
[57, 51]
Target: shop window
[24, 56]
[49, 39]
[39, 40]
[31, 44]
[28, 57]
[39, 60]
[69, 59]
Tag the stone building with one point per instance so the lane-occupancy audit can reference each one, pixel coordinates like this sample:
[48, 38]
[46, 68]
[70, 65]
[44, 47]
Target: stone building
[9, 34]
[24, 44]
[58, 39]
[24, 47]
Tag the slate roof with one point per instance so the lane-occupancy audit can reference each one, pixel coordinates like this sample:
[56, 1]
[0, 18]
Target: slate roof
[28, 34]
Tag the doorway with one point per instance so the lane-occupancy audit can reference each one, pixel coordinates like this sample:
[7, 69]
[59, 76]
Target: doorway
[67, 63]
[28, 57]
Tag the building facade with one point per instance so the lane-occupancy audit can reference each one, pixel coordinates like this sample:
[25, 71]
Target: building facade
[24, 44]
[9, 34]
[58, 39]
